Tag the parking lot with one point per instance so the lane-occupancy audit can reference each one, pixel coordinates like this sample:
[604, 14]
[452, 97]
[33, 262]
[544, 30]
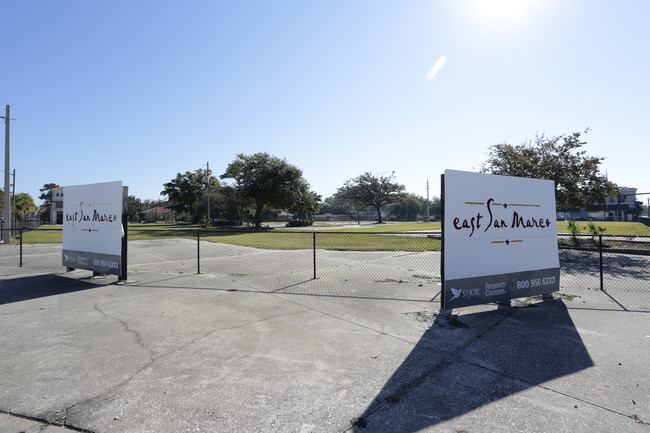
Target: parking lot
[167, 352]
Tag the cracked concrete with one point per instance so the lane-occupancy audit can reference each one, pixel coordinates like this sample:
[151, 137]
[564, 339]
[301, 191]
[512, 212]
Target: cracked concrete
[141, 357]
[109, 401]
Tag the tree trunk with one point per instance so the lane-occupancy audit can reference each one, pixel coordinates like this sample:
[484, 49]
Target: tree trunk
[258, 215]
[379, 220]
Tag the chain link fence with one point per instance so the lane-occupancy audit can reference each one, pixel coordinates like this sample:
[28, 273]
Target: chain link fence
[385, 265]
[616, 265]
[298, 262]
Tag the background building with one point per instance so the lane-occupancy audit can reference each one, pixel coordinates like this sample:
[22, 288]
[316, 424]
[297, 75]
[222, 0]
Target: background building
[159, 213]
[56, 213]
[623, 207]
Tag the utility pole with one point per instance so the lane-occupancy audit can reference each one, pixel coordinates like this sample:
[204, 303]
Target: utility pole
[207, 181]
[6, 234]
[428, 215]
[13, 196]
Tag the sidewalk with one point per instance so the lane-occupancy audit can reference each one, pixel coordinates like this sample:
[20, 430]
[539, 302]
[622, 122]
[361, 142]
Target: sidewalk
[159, 354]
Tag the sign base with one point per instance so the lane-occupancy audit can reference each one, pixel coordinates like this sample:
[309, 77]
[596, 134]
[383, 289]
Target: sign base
[494, 288]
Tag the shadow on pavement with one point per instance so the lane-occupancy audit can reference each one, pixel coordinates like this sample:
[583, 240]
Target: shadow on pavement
[40, 286]
[308, 287]
[511, 350]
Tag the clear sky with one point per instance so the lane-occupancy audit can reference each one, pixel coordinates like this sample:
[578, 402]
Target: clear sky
[141, 90]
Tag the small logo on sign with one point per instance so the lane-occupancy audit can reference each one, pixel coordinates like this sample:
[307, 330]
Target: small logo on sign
[456, 293]
[464, 293]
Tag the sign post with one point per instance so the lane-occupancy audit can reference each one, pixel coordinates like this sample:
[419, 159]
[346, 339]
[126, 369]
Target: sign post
[125, 233]
[499, 238]
[94, 234]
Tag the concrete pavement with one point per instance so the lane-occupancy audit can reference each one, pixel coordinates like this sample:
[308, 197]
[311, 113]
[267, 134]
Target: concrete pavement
[169, 353]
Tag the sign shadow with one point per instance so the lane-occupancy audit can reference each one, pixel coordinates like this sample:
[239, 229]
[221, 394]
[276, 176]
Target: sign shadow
[462, 364]
[40, 286]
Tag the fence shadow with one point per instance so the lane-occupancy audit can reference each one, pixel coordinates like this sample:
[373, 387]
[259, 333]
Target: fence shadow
[300, 287]
[628, 266]
[521, 349]
[40, 286]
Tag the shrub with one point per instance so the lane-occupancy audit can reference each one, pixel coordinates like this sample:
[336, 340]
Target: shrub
[300, 223]
[573, 228]
[595, 230]
[228, 223]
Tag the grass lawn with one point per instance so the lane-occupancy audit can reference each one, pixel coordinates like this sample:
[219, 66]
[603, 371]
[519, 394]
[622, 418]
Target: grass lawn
[336, 241]
[369, 237]
[339, 240]
[44, 235]
[611, 228]
[391, 227]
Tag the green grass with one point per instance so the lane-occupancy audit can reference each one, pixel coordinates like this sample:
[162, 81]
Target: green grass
[44, 235]
[271, 239]
[327, 241]
[611, 228]
[391, 227]
[169, 232]
[371, 237]
[156, 226]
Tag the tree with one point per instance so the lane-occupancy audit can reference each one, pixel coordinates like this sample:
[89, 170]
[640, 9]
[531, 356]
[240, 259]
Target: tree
[186, 192]
[46, 196]
[410, 208]
[148, 203]
[216, 199]
[338, 204]
[265, 181]
[24, 206]
[578, 182]
[236, 206]
[435, 208]
[305, 204]
[371, 190]
[134, 208]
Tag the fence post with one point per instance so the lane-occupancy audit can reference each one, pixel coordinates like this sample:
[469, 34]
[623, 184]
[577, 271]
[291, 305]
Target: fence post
[198, 251]
[600, 253]
[21, 249]
[314, 242]
[124, 244]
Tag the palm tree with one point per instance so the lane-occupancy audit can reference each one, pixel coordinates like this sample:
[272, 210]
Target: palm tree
[24, 206]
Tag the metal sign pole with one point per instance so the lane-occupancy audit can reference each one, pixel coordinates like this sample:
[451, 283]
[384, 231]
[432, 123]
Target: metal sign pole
[442, 240]
[125, 235]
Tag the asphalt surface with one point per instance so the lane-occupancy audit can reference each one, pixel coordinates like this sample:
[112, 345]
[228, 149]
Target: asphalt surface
[205, 353]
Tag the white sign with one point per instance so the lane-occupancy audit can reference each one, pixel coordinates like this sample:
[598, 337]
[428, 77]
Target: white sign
[92, 227]
[500, 238]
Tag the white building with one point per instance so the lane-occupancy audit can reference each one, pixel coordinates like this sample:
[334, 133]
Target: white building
[56, 214]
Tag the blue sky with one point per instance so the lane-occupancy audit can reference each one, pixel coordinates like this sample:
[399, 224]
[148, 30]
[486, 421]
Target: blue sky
[141, 90]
